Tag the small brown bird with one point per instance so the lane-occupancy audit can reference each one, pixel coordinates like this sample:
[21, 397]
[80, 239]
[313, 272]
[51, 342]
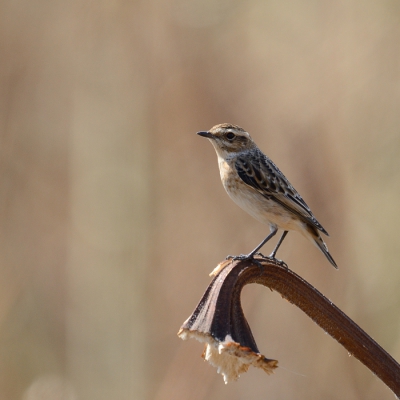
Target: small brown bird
[257, 185]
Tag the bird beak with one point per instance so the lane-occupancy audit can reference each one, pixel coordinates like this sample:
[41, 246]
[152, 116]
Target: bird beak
[206, 134]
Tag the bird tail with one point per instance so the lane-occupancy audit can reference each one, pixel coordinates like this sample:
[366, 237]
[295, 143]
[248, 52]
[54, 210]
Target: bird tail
[318, 241]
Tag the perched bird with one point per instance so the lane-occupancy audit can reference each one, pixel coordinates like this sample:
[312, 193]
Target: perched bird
[257, 185]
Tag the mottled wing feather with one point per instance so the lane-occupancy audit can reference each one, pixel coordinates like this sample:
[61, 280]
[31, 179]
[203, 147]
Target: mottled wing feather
[263, 175]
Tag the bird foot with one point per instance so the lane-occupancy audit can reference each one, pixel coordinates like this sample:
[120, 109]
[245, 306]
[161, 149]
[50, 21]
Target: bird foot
[261, 255]
[277, 261]
[243, 257]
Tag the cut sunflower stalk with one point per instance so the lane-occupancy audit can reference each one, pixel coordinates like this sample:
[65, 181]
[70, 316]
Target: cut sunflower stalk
[219, 322]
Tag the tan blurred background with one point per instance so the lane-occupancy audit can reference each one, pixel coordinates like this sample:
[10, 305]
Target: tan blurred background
[112, 212]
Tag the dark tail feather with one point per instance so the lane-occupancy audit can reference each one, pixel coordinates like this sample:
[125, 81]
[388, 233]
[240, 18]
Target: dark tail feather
[322, 246]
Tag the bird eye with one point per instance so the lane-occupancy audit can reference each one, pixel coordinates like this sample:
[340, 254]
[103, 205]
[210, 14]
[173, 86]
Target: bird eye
[230, 136]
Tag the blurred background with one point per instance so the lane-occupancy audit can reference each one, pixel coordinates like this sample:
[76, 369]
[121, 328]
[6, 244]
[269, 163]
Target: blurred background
[112, 213]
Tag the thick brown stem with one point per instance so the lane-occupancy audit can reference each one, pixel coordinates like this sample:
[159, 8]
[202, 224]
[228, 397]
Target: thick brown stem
[219, 314]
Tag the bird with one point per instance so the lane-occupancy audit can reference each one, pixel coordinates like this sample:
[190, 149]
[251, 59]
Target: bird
[258, 186]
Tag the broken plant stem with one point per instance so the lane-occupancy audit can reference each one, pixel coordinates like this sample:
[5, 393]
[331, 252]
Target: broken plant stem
[219, 320]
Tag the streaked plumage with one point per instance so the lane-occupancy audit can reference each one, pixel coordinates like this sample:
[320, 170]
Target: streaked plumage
[257, 185]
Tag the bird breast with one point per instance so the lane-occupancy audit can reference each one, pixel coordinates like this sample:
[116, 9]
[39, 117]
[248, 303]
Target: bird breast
[258, 206]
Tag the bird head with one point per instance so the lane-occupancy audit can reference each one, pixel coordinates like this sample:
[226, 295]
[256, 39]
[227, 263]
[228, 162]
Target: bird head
[228, 139]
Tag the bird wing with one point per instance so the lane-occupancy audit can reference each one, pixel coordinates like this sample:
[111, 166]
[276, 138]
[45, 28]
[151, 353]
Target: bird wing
[259, 172]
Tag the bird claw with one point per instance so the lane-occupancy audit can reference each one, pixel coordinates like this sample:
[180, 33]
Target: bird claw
[279, 262]
[273, 258]
[249, 257]
[241, 257]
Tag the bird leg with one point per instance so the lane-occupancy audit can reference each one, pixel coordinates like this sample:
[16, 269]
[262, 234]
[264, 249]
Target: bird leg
[251, 254]
[272, 255]
[273, 233]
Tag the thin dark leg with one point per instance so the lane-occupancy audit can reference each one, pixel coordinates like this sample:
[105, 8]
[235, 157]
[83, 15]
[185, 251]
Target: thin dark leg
[273, 233]
[251, 255]
[278, 244]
